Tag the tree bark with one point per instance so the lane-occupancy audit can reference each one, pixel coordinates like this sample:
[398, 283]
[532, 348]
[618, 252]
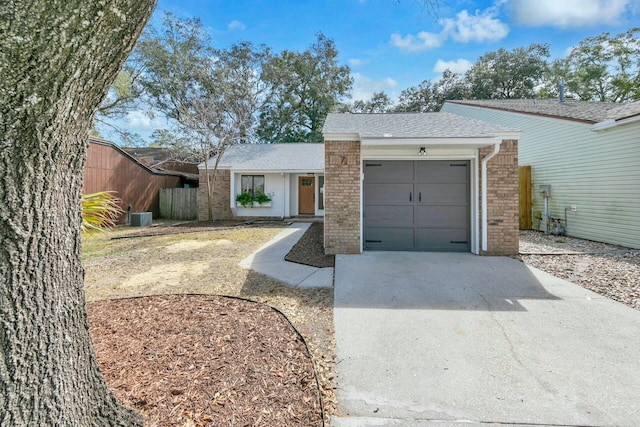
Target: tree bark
[57, 61]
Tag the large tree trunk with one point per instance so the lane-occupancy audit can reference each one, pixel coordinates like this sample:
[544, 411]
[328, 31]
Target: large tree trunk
[57, 60]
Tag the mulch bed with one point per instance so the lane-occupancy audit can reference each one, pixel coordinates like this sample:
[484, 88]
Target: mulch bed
[196, 360]
[310, 249]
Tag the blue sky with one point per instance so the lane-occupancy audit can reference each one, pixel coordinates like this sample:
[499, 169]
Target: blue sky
[393, 44]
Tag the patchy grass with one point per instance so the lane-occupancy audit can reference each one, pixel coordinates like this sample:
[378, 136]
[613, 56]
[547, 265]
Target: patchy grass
[205, 261]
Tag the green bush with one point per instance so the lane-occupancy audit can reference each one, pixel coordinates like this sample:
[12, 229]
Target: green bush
[262, 198]
[245, 199]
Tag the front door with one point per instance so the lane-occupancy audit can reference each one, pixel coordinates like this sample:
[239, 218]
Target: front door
[306, 195]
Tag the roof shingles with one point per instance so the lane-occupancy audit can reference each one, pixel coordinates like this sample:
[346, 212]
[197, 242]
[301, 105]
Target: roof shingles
[410, 125]
[272, 157]
[591, 112]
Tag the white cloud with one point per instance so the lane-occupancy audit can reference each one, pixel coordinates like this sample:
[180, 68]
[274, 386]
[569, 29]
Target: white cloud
[355, 62]
[236, 25]
[139, 121]
[422, 41]
[364, 87]
[569, 13]
[480, 27]
[458, 66]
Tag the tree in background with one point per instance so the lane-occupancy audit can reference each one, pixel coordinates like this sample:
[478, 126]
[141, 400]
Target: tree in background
[429, 97]
[307, 86]
[605, 68]
[57, 61]
[378, 103]
[450, 86]
[508, 74]
[212, 96]
[417, 99]
[124, 96]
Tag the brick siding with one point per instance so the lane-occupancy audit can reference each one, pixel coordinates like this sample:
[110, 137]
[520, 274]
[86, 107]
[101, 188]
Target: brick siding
[342, 197]
[221, 196]
[502, 200]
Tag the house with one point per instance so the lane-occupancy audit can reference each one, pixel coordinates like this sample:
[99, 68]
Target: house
[292, 175]
[420, 181]
[410, 181]
[586, 154]
[110, 168]
[167, 160]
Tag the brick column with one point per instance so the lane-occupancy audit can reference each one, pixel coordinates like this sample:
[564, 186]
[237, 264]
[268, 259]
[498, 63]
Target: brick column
[502, 200]
[221, 195]
[342, 197]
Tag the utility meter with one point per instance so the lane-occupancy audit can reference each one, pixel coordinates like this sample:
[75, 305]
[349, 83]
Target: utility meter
[545, 190]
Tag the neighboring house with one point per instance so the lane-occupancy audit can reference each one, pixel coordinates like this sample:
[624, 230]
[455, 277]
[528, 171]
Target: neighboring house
[390, 182]
[589, 154]
[166, 160]
[110, 168]
[292, 175]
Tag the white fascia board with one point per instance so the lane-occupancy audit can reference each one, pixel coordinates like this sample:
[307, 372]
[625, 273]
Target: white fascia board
[341, 136]
[479, 142]
[607, 124]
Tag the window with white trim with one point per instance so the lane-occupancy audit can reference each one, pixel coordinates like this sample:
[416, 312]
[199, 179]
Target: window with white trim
[252, 184]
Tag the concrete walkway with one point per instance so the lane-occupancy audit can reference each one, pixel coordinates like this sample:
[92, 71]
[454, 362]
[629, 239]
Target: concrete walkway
[269, 260]
[457, 339]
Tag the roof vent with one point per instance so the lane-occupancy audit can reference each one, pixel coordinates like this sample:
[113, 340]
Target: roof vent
[561, 90]
[387, 135]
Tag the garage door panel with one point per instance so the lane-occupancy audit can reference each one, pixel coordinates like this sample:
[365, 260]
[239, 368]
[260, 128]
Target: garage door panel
[389, 172]
[442, 239]
[435, 218]
[389, 216]
[442, 171]
[390, 238]
[442, 216]
[442, 193]
[388, 194]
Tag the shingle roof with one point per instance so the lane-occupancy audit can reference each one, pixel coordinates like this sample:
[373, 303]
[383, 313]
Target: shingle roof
[410, 125]
[592, 112]
[272, 157]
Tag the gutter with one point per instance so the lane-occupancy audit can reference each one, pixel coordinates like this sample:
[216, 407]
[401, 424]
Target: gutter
[610, 123]
[496, 149]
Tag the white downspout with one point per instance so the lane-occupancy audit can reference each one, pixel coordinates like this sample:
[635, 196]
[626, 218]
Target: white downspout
[496, 149]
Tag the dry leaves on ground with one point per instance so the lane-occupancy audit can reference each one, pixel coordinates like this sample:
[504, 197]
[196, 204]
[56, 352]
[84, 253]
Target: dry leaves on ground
[205, 360]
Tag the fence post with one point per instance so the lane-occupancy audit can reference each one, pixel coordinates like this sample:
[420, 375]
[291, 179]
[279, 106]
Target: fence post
[524, 199]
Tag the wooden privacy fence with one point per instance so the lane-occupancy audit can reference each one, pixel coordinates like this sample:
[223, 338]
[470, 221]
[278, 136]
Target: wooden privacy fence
[524, 201]
[179, 203]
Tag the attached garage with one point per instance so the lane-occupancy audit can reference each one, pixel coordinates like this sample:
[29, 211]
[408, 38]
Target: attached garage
[418, 205]
[420, 182]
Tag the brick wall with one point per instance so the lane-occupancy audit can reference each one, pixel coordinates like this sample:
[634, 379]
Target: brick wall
[342, 197]
[221, 196]
[502, 200]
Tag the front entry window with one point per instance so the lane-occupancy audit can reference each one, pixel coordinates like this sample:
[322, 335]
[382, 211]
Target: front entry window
[253, 184]
[321, 191]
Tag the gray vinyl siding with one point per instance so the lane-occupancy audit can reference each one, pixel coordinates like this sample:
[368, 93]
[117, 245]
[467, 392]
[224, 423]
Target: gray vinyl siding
[598, 172]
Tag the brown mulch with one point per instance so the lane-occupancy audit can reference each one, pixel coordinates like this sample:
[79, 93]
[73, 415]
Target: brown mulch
[310, 249]
[196, 360]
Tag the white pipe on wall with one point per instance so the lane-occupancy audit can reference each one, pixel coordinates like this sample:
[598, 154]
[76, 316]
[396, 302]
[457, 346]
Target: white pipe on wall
[496, 149]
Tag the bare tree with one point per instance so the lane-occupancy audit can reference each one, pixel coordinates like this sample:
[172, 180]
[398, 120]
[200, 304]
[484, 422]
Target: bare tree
[57, 61]
[212, 96]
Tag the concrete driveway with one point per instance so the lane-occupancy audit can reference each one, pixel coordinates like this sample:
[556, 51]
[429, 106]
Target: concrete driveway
[449, 339]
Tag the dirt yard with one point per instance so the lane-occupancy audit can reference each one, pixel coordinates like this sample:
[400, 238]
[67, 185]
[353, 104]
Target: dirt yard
[183, 260]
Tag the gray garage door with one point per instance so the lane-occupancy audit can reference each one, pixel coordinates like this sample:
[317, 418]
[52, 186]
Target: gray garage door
[416, 205]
